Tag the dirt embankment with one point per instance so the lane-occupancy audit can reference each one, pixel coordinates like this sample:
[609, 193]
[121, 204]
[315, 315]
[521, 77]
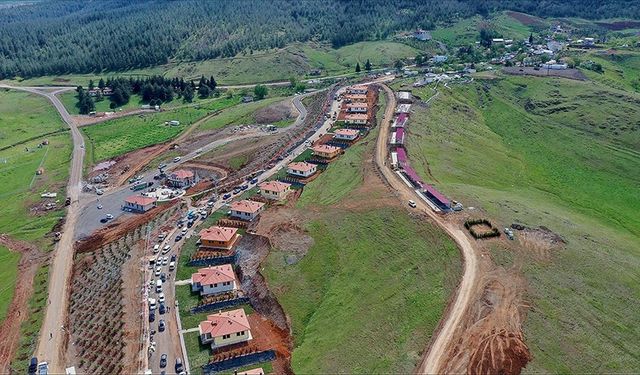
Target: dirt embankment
[31, 259]
[275, 331]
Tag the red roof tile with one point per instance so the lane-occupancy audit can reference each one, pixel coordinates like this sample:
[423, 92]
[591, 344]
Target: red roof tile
[225, 323]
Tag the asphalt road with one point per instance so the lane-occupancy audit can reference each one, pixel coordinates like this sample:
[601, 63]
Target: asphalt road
[434, 358]
[51, 334]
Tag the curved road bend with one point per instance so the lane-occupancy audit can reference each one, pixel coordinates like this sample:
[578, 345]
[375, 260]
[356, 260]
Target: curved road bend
[433, 360]
[51, 338]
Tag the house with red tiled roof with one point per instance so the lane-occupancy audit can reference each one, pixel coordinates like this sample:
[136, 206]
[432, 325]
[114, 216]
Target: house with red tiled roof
[246, 209]
[275, 190]
[301, 169]
[356, 119]
[214, 280]
[355, 98]
[216, 237]
[326, 151]
[225, 328]
[139, 204]
[358, 89]
[181, 178]
[346, 134]
[357, 107]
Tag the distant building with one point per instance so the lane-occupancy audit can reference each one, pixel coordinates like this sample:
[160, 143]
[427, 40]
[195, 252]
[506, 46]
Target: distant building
[225, 328]
[405, 97]
[358, 89]
[301, 169]
[275, 190]
[440, 58]
[140, 204]
[326, 151]
[497, 41]
[357, 107]
[216, 237]
[346, 134]
[246, 209]
[422, 35]
[181, 178]
[403, 108]
[355, 98]
[356, 119]
[214, 280]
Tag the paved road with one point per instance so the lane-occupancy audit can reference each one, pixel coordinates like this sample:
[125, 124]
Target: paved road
[433, 360]
[51, 334]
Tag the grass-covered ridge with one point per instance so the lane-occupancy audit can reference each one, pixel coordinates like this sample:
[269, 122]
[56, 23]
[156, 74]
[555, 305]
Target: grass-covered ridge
[562, 154]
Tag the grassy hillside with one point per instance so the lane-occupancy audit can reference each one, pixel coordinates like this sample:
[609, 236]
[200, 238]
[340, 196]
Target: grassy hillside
[562, 154]
[295, 60]
[369, 293]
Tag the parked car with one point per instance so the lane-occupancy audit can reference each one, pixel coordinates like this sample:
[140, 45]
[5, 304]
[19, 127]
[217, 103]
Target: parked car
[412, 204]
[226, 196]
[109, 216]
[166, 249]
[104, 220]
[165, 261]
[163, 361]
[163, 277]
[179, 366]
[33, 366]
[43, 368]
[177, 159]
[161, 297]
[172, 266]
[178, 238]
[152, 317]
[99, 206]
[173, 258]
[162, 308]
[156, 248]
[161, 325]
[237, 190]
[158, 271]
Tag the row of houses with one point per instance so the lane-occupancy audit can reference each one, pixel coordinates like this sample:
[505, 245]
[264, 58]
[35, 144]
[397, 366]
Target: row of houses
[356, 106]
[400, 161]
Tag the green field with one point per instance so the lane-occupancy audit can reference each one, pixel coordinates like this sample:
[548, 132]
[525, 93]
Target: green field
[561, 154]
[121, 135]
[8, 277]
[242, 114]
[372, 288]
[26, 116]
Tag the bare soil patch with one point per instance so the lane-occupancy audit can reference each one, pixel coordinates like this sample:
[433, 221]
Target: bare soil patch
[541, 242]
[525, 19]
[274, 113]
[30, 260]
[281, 227]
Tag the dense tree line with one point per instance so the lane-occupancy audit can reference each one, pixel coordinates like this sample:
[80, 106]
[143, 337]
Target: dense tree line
[153, 90]
[57, 37]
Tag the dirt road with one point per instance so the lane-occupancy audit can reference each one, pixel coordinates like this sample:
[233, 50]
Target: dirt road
[51, 339]
[433, 360]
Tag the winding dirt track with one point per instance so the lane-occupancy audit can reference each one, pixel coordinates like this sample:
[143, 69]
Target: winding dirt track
[433, 360]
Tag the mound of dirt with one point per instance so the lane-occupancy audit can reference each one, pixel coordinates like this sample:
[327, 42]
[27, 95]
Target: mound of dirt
[274, 113]
[280, 227]
[541, 242]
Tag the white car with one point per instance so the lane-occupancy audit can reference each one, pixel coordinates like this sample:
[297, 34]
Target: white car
[172, 266]
[161, 298]
[99, 206]
[166, 249]
[109, 216]
[156, 248]
[177, 159]
[165, 261]
[412, 204]
[158, 271]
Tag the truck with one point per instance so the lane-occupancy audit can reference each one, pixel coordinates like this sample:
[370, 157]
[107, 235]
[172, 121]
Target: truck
[142, 185]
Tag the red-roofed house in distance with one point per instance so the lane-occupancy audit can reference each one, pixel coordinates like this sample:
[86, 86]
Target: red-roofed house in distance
[301, 169]
[358, 89]
[275, 190]
[246, 209]
[225, 328]
[326, 151]
[216, 237]
[139, 204]
[355, 98]
[214, 280]
[346, 134]
[357, 108]
[181, 178]
[356, 119]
